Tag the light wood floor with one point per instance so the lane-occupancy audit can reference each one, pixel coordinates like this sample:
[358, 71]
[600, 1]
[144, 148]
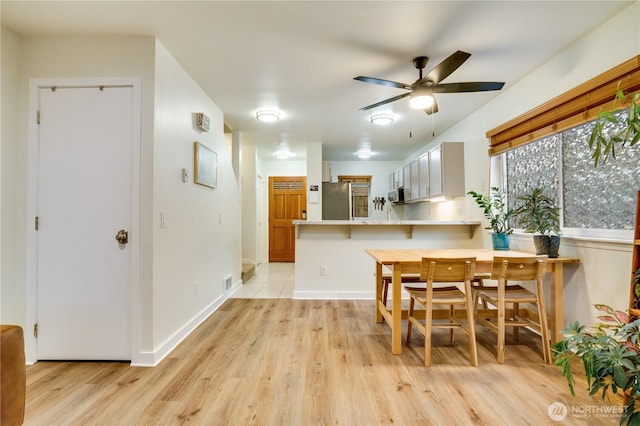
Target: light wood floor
[299, 362]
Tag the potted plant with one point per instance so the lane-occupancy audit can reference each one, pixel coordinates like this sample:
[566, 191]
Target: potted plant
[610, 353]
[539, 215]
[494, 208]
[602, 141]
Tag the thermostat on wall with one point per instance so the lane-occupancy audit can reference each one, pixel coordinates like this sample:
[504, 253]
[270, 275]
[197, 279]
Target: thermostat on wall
[202, 121]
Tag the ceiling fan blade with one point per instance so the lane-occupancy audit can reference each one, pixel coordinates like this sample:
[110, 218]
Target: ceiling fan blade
[382, 82]
[446, 67]
[386, 101]
[477, 86]
[432, 109]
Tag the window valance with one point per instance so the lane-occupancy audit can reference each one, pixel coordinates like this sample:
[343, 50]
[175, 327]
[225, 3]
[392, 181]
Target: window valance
[577, 106]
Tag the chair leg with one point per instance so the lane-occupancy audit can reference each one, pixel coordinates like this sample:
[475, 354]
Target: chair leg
[452, 319]
[544, 329]
[471, 328]
[385, 290]
[428, 323]
[516, 313]
[411, 302]
[501, 333]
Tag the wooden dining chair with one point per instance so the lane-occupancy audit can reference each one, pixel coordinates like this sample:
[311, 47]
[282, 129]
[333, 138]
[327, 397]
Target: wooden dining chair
[506, 270]
[436, 271]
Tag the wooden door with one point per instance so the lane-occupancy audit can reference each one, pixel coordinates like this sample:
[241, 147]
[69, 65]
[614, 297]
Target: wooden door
[84, 199]
[287, 200]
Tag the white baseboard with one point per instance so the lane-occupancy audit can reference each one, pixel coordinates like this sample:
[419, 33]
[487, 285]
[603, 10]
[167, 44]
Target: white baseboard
[334, 295]
[152, 359]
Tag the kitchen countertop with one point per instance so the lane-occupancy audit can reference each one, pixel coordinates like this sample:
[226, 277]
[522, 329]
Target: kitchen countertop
[386, 222]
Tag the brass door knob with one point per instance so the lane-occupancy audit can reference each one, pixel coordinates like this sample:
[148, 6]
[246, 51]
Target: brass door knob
[122, 237]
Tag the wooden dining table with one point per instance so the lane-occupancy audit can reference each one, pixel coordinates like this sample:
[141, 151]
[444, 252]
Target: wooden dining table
[407, 261]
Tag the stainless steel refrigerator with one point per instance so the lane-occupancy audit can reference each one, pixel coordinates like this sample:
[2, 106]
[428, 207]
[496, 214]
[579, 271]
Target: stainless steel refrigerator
[336, 201]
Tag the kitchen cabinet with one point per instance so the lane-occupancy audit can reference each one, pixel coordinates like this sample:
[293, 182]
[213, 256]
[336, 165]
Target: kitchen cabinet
[414, 181]
[436, 173]
[406, 172]
[446, 170]
[423, 176]
[398, 179]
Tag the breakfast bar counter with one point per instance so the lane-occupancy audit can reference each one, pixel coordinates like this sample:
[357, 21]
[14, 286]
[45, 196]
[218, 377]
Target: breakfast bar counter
[331, 262]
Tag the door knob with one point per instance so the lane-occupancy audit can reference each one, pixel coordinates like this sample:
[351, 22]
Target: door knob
[122, 237]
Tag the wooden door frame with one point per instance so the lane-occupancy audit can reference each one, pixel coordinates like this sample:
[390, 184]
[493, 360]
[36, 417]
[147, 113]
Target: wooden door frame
[31, 258]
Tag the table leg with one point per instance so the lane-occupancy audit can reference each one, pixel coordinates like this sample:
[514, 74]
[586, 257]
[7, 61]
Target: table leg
[396, 313]
[378, 290]
[556, 319]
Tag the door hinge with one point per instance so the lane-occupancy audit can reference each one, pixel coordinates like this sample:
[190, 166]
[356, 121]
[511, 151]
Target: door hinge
[35, 330]
[38, 117]
[37, 222]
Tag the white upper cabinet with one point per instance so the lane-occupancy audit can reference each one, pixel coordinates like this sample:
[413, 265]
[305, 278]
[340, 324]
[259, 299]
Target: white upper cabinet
[446, 170]
[437, 173]
[415, 180]
[423, 172]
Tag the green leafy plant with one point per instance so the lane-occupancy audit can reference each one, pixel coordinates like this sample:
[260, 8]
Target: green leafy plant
[494, 208]
[538, 213]
[610, 353]
[602, 142]
[635, 281]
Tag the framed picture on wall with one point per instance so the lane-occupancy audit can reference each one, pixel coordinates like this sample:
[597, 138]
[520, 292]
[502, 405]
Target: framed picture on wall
[205, 165]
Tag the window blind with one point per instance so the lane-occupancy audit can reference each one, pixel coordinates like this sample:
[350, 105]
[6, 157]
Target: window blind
[574, 107]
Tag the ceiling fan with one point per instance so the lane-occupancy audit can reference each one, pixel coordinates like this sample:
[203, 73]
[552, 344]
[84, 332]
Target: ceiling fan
[421, 91]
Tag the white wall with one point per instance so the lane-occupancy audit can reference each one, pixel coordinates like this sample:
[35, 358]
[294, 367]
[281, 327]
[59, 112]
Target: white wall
[250, 218]
[201, 243]
[12, 297]
[380, 172]
[193, 247]
[58, 57]
[603, 276]
[314, 177]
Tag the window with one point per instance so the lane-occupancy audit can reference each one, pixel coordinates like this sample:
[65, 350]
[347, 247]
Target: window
[360, 186]
[548, 147]
[601, 198]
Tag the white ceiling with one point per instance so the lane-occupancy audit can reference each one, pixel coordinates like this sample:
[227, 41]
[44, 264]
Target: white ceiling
[302, 56]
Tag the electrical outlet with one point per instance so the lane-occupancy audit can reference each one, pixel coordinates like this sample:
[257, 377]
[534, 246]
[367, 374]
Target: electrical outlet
[323, 270]
[196, 288]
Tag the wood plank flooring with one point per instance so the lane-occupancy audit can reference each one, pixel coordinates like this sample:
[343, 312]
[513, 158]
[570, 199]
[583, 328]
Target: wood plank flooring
[301, 362]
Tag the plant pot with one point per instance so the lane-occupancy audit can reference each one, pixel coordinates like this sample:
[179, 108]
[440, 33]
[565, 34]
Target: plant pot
[500, 241]
[547, 244]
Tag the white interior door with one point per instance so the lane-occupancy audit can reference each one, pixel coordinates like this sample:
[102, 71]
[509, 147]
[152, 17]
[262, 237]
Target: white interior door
[84, 199]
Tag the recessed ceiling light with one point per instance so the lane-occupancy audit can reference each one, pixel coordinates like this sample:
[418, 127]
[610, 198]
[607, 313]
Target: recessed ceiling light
[268, 115]
[382, 119]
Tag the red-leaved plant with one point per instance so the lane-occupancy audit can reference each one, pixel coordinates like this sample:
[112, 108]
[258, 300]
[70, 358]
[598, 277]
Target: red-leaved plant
[610, 353]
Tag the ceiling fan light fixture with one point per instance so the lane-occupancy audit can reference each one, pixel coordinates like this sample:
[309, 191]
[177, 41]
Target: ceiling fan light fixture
[421, 99]
[382, 119]
[268, 116]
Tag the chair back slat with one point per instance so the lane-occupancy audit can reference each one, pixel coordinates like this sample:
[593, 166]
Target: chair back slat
[518, 268]
[447, 269]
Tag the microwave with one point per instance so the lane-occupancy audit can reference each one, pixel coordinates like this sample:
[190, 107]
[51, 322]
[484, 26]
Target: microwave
[396, 196]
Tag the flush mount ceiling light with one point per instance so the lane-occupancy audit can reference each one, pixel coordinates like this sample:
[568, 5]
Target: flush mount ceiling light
[421, 98]
[268, 115]
[282, 154]
[364, 154]
[382, 119]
